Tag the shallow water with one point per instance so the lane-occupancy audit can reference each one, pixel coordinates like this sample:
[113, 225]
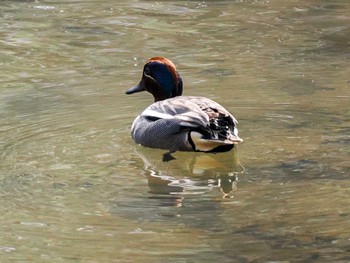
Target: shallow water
[73, 185]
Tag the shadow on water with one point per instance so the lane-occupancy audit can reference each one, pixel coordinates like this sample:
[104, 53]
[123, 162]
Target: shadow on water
[192, 173]
[194, 182]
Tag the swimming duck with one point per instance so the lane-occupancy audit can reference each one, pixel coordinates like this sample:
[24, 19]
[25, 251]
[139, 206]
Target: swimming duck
[180, 123]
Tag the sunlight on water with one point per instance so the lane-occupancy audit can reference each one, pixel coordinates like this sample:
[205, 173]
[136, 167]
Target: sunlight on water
[74, 187]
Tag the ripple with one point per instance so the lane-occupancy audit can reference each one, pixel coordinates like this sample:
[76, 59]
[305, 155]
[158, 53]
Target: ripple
[7, 249]
[45, 7]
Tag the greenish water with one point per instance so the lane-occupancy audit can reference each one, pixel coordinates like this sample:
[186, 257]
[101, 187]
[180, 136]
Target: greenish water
[75, 188]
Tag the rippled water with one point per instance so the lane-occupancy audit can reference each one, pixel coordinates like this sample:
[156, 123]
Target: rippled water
[73, 185]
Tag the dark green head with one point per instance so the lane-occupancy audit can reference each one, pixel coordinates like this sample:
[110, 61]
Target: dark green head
[160, 78]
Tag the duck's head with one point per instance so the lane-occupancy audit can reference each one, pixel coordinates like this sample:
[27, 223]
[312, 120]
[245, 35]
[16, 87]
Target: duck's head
[160, 78]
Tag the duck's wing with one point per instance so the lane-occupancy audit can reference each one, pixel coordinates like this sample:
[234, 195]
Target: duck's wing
[186, 112]
[191, 111]
[221, 132]
[213, 109]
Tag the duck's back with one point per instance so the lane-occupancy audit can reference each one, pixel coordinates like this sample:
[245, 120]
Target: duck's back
[167, 124]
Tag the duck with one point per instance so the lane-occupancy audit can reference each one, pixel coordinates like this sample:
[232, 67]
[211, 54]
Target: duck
[175, 122]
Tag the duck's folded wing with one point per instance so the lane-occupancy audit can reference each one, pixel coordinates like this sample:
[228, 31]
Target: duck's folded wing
[186, 113]
[212, 108]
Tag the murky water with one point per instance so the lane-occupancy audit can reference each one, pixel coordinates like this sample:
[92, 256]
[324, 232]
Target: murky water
[73, 185]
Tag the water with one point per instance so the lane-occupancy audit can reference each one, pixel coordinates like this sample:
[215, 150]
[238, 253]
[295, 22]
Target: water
[75, 188]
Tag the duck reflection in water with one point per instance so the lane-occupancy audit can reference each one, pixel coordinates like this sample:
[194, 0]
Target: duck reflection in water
[190, 174]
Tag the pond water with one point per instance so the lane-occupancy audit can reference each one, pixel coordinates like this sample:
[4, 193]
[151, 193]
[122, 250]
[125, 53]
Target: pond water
[73, 185]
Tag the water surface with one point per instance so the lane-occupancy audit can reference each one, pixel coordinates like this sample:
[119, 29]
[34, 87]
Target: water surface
[73, 185]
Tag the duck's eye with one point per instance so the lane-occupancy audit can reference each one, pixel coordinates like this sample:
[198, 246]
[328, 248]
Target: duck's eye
[147, 71]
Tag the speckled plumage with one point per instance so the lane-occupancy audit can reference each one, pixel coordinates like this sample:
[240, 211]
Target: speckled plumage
[175, 122]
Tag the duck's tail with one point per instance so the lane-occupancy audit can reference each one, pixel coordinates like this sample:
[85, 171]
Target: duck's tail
[202, 144]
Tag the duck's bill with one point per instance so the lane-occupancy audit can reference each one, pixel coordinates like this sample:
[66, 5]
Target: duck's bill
[137, 88]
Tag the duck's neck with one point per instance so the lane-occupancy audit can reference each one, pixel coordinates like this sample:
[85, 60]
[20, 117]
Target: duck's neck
[160, 96]
[160, 93]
